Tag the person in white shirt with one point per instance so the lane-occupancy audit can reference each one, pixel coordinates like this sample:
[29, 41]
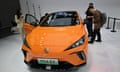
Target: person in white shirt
[19, 19]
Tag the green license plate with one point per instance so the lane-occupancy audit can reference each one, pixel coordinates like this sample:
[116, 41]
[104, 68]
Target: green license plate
[47, 61]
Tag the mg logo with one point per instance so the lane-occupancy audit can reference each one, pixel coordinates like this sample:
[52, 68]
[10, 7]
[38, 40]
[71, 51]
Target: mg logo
[46, 50]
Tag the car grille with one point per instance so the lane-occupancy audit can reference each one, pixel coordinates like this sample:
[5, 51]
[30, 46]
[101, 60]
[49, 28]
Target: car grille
[62, 65]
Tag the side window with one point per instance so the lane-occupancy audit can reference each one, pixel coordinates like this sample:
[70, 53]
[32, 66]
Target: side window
[31, 20]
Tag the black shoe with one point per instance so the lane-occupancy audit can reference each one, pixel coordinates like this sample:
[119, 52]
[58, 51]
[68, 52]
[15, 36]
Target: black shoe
[89, 35]
[91, 42]
[98, 40]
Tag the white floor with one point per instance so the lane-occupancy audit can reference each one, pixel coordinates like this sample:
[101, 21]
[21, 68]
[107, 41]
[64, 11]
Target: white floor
[103, 57]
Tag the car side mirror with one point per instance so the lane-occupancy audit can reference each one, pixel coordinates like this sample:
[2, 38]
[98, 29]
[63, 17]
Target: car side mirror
[78, 21]
[35, 23]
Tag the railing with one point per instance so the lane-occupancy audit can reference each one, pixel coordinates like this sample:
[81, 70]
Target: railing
[114, 23]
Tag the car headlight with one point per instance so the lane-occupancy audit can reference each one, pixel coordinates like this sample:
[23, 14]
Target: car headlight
[26, 44]
[77, 43]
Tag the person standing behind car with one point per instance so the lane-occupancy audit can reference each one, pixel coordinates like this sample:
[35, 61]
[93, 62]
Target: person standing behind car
[42, 18]
[89, 20]
[19, 19]
[97, 25]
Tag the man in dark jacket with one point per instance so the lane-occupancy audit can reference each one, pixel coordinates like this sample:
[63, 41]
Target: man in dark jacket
[42, 18]
[97, 25]
[89, 20]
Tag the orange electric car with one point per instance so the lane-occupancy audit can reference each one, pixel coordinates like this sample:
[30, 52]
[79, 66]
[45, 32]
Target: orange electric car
[59, 41]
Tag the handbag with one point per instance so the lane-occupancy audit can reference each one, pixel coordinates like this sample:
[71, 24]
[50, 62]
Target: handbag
[85, 21]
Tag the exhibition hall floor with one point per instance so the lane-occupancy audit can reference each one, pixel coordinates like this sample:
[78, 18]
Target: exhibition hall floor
[102, 57]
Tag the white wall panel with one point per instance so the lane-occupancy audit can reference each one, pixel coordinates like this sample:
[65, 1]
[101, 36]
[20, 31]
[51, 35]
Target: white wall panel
[111, 7]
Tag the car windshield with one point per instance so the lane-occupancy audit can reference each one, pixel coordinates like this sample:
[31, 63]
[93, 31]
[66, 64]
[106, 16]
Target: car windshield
[61, 19]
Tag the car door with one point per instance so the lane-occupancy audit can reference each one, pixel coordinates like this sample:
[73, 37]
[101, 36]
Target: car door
[30, 23]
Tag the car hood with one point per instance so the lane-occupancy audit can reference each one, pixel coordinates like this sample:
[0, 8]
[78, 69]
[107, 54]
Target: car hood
[56, 39]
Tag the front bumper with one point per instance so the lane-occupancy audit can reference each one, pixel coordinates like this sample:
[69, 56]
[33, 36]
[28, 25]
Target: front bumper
[63, 64]
[74, 58]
